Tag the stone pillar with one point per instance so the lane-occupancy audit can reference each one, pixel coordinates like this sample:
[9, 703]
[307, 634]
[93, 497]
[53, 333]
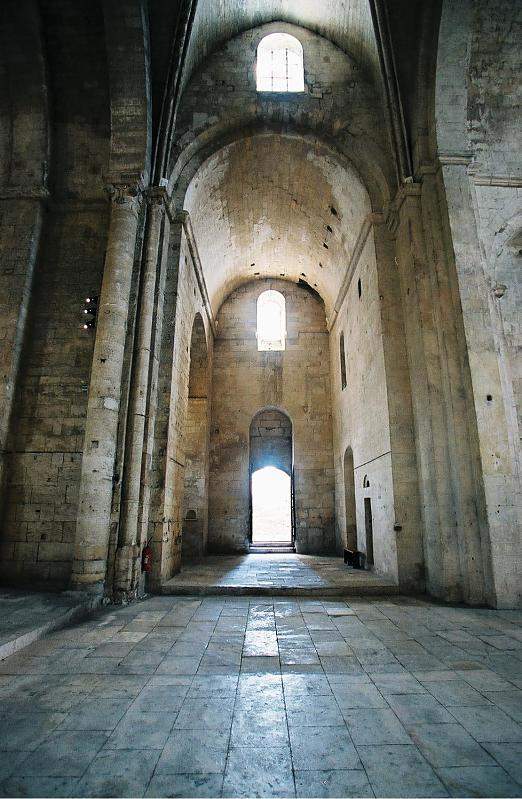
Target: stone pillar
[490, 392]
[408, 526]
[451, 537]
[161, 528]
[430, 413]
[101, 424]
[128, 551]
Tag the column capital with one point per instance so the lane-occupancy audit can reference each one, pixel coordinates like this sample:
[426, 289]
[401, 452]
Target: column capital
[125, 190]
[158, 197]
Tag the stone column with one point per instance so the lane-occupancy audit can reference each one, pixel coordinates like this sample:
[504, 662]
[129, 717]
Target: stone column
[128, 552]
[429, 409]
[101, 424]
[448, 502]
[160, 524]
[490, 392]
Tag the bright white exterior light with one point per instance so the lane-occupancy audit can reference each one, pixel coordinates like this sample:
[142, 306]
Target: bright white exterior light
[271, 321]
[280, 64]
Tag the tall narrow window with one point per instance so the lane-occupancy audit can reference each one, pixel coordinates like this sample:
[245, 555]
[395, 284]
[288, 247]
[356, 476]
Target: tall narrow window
[271, 321]
[280, 64]
[343, 362]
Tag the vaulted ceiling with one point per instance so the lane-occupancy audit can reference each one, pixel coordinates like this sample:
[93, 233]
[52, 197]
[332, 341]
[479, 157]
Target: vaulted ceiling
[272, 206]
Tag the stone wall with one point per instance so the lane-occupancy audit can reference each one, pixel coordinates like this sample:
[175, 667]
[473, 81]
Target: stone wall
[297, 381]
[361, 419]
[45, 447]
[372, 417]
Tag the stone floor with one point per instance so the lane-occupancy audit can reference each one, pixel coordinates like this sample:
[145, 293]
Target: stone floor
[27, 615]
[233, 696]
[285, 575]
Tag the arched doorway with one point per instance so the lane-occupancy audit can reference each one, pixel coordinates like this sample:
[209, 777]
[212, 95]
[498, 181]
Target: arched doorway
[271, 479]
[349, 500]
[195, 494]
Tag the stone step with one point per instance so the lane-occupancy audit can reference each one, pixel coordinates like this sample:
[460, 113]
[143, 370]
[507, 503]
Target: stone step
[28, 616]
[272, 545]
[286, 574]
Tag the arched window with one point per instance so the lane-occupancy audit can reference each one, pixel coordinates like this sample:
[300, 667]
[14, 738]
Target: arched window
[280, 64]
[271, 321]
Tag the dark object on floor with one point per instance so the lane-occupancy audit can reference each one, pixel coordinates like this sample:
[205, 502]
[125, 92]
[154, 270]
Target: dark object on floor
[354, 558]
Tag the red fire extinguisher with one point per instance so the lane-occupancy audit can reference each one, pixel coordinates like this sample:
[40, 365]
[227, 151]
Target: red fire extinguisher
[146, 558]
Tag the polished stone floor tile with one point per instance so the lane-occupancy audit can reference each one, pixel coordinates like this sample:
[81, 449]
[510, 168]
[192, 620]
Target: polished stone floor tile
[63, 754]
[479, 781]
[377, 726]
[400, 771]
[40, 786]
[316, 748]
[205, 712]
[488, 724]
[398, 684]
[116, 773]
[27, 730]
[255, 772]
[351, 695]
[419, 709]
[448, 745]
[509, 756]
[261, 727]
[194, 752]
[185, 786]
[185, 699]
[139, 730]
[322, 712]
[96, 714]
[456, 693]
[333, 783]
[508, 701]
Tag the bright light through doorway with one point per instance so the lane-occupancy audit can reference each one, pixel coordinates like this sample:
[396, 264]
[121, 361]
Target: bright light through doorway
[271, 506]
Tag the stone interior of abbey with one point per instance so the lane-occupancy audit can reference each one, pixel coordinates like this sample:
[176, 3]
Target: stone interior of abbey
[260, 398]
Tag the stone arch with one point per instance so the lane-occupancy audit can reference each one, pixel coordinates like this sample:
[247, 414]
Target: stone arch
[193, 156]
[271, 439]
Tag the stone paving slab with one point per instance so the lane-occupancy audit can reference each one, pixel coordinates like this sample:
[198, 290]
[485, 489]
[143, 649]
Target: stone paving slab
[232, 696]
[26, 616]
[275, 575]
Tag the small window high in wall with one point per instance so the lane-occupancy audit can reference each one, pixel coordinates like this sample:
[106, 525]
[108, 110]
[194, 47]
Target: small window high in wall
[280, 64]
[342, 358]
[271, 321]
